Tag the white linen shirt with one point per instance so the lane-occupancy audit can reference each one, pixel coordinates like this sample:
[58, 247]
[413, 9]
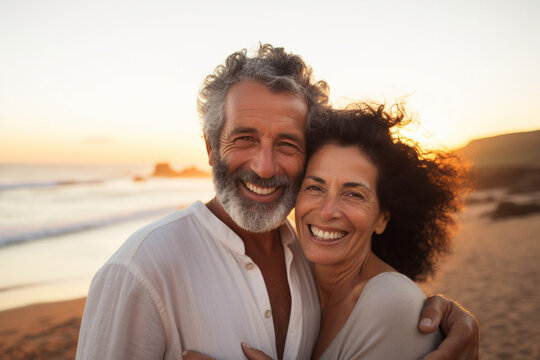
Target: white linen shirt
[185, 283]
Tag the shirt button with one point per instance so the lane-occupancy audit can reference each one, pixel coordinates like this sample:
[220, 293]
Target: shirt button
[249, 266]
[267, 313]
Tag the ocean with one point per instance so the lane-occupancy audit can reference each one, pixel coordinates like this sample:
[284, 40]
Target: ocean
[60, 223]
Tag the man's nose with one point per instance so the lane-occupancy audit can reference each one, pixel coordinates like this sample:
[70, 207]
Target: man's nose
[264, 162]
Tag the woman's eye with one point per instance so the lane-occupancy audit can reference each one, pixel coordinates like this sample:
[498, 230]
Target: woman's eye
[355, 195]
[312, 188]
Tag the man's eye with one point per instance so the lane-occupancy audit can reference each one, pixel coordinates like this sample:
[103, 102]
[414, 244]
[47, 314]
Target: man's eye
[244, 140]
[288, 147]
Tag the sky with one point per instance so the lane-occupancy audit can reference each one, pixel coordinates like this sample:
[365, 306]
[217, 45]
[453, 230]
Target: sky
[117, 81]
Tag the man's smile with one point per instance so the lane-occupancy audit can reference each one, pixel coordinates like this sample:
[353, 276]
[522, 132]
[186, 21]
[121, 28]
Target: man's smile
[261, 190]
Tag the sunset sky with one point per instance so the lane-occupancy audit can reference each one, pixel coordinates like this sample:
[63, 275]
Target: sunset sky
[116, 81]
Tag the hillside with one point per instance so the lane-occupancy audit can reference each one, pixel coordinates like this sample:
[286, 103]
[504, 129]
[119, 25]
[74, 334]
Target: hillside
[516, 150]
[510, 160]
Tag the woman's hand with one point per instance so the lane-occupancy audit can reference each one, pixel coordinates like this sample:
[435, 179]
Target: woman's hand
[459, 326]
[253, 354]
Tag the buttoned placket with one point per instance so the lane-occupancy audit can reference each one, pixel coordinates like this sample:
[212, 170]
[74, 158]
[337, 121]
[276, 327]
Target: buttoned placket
[293, 330]
[262, 299]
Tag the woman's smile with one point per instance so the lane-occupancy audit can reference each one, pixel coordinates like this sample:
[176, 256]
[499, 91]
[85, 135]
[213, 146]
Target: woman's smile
[321, 233]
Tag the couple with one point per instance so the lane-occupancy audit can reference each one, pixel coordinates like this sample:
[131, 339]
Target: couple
[214, 275]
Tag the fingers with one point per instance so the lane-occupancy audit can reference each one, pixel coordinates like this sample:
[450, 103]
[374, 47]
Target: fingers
[432, 313]
[253, 354]
[455, 348]
[193, 355]
[460, 326]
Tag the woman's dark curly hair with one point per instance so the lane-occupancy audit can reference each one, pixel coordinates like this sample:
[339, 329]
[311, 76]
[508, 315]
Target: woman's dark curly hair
[421, 190]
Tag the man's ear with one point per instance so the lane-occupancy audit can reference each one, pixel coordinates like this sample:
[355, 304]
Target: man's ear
[208, 150]
[381, 222]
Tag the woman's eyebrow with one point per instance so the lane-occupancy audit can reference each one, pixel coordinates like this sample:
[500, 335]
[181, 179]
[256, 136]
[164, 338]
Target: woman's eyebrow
[349, 184]
[315, 178]
[355, 184]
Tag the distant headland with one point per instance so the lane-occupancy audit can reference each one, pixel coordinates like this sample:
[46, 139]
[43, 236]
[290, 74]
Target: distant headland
[165, 170]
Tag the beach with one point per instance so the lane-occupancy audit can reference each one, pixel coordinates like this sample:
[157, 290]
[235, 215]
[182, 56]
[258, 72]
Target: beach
[493, 272]
[41, 331]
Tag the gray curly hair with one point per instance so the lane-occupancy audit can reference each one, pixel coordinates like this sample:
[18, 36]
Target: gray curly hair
[272, 67]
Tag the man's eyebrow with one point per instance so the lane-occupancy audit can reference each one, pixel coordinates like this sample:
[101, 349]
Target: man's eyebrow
[251, 130]
[243, 130]
[291, 137]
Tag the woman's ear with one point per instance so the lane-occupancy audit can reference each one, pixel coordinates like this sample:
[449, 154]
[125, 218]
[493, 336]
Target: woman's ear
[380, 226]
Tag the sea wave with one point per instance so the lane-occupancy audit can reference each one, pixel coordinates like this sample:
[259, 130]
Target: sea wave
[65, 229]
[46, 184]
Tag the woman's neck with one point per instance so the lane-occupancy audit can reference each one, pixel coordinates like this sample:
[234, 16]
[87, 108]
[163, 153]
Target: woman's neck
[337, 282]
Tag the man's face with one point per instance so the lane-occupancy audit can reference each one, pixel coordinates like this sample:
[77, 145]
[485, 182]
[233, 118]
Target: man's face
[259, 165]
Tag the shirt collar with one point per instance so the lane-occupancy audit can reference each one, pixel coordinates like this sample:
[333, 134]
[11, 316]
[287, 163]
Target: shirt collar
[222, 233]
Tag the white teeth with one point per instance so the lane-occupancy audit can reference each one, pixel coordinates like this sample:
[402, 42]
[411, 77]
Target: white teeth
[260, 190]
[326, 235]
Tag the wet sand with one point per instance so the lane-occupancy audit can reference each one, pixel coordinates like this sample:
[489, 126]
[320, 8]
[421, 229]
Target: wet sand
[41, 331]
[494, 272]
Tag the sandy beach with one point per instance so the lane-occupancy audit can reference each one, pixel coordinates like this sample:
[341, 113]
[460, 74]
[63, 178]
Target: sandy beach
[494, 272]
[41, 331]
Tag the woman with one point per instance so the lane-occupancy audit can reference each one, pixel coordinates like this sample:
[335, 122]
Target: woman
[372, 215]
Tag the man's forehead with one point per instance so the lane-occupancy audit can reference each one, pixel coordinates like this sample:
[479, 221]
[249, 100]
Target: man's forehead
[249, 96]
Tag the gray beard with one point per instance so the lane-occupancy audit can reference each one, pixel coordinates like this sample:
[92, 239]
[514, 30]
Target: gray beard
[250, 215]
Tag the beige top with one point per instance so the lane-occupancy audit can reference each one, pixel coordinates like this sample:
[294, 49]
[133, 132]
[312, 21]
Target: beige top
[384, 323]
[185, 282]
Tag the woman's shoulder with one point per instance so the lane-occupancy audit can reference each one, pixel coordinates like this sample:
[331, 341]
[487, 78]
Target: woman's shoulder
[391, 293]
[391, 283]
[384, 322]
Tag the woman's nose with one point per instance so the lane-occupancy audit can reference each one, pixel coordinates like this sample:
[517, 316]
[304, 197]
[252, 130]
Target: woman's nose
[329, 207]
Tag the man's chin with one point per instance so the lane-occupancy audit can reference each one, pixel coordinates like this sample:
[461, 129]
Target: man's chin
[254, 216]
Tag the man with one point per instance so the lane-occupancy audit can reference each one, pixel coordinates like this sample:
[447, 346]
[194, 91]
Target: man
[214, 275]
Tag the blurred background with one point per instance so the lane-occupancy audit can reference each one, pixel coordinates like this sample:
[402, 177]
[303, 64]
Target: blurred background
[99, 135]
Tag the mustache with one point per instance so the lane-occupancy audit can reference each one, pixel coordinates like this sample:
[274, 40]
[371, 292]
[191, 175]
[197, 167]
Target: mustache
[245, 175]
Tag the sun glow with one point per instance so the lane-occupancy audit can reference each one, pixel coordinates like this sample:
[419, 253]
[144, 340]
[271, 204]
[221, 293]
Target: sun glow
[81, 82]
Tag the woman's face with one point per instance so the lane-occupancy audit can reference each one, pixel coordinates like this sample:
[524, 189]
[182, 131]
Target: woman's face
[337, 209]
